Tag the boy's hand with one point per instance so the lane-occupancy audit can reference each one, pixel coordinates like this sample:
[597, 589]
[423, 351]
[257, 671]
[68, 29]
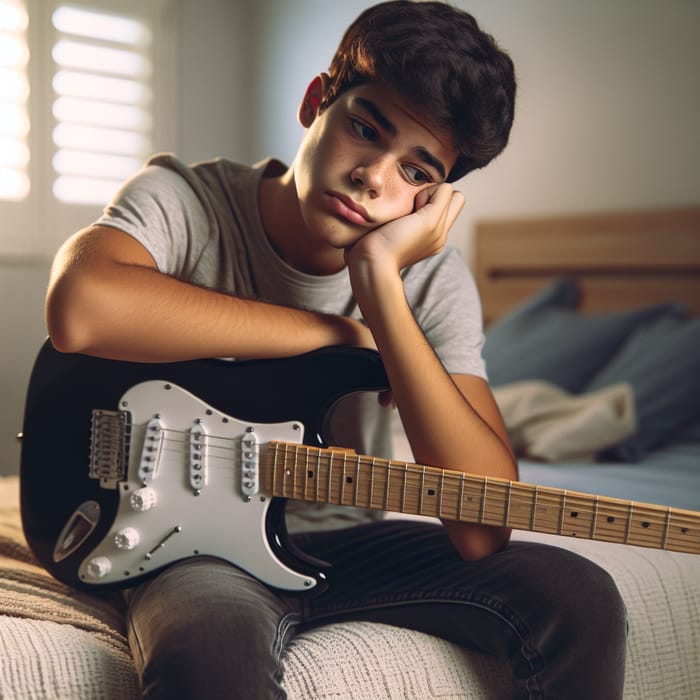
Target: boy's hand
[413, 237]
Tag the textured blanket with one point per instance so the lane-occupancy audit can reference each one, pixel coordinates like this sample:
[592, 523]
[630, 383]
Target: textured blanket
[59, 644]
[51, 636]
[547, 423]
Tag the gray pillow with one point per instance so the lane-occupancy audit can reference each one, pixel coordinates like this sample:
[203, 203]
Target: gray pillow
[661, 361]
[547, 339]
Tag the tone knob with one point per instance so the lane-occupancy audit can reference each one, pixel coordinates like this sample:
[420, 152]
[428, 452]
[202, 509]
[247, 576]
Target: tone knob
[143, 499]
[127, 538]
[98, 567]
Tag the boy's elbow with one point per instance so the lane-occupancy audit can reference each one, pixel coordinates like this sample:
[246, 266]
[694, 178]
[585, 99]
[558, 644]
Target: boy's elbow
[67, 320]
[474, 542]
[65, 339]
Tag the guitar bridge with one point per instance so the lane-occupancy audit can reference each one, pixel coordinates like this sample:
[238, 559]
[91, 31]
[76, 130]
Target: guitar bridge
[109, 447]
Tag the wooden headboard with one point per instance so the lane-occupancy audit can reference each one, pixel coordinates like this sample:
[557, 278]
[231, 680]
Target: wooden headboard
[619, 260]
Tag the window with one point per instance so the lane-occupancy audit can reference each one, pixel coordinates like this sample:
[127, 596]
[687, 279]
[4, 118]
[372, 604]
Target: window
[14, 93]
[102, 100]
[82, 86]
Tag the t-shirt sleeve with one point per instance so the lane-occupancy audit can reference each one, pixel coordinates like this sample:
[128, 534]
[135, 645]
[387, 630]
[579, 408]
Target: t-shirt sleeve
[160, 210]
[445, 302]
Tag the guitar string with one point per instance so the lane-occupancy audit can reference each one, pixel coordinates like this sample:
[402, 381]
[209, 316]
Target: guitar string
[660, 512]
[493, 514]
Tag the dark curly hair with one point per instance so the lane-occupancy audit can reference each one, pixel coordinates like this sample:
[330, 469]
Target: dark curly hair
[438, 59]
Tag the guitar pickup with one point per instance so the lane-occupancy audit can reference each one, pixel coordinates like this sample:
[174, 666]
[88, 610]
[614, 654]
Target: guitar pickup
[198, 457]
[151, 451]
[250, 460]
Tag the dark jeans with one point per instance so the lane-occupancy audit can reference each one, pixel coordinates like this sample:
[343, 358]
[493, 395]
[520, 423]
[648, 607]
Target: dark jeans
[205, 629]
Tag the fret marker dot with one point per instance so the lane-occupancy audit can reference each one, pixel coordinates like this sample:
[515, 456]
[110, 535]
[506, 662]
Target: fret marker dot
[574, 514]
[645, 524]
[610, 519]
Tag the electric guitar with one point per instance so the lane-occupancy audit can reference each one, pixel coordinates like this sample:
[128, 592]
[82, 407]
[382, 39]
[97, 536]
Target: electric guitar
[128, 467]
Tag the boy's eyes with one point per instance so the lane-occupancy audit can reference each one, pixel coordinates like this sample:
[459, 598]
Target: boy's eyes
[415, 175]
[363, 130]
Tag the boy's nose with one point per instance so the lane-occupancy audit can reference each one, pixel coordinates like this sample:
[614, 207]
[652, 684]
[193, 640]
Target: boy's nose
[370, 176]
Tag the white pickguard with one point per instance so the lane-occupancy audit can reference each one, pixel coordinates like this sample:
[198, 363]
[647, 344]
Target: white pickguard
[217, 519]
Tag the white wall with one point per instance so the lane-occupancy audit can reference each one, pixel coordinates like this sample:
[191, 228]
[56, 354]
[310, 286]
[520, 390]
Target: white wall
[218, 90]
[22, 289]
[607, 118]
[607, 113]
[213, 117]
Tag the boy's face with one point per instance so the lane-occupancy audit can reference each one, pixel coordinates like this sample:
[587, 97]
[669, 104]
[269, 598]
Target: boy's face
[364, 161]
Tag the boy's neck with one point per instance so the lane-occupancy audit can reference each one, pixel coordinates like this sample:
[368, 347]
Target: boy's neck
[287, 232]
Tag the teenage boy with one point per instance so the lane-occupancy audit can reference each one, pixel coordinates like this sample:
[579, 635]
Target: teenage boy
[345, 246]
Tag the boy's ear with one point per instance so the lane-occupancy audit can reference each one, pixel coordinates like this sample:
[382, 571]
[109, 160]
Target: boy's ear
[308, 109]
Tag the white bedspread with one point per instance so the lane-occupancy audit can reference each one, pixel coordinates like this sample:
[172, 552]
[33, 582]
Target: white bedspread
[57, 644]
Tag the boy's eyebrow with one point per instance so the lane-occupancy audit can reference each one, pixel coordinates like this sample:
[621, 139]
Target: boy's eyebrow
[423, 153]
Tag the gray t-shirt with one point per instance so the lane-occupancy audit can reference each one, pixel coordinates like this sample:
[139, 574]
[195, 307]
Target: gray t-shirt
[202, 224]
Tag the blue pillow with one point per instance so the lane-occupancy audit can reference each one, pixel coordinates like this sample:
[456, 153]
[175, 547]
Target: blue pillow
[661, 361]
[547, 339]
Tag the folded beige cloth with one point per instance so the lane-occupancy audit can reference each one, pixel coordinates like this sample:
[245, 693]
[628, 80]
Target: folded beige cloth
[547, 423]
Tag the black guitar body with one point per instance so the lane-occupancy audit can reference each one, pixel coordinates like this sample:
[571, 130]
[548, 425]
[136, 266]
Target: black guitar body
[64, 390]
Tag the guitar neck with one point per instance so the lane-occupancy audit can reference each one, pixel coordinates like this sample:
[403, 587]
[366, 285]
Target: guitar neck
[343, 477]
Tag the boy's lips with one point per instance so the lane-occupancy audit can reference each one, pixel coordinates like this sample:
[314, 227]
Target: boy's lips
[348, 209]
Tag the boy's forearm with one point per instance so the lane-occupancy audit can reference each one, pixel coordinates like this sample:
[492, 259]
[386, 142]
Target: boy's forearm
[443, 427]
[131, 312]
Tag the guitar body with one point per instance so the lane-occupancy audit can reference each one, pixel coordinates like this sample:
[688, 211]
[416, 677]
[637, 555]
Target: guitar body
[127, 467]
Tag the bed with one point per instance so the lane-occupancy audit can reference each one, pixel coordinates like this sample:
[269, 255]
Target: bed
[609, 285]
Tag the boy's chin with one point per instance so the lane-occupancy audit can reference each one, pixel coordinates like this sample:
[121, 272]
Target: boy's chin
[334, 232]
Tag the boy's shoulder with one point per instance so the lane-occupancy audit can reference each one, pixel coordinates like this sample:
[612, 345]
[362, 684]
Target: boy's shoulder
[216, 173]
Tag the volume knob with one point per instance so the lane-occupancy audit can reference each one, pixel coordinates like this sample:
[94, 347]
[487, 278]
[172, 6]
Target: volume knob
[127, 538]
[143, 499]
[98, 567]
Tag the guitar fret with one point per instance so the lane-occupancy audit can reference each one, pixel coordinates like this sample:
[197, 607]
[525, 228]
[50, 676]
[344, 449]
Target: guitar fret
[666, 528]
[295, 473]
[403, 489]
[453, 495]
[342, 481]
[309, 474]
[280, 486]
[386, 487]
[629, 524]
[421, 492]
[482, 510]
[318, 477]
[357, 482]
[292, 473]
[506, 512]
[563, 511]
[595, 517]
[330, 478]
[275, 453]
[533, 515]
[288, 464]
[300, 467]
